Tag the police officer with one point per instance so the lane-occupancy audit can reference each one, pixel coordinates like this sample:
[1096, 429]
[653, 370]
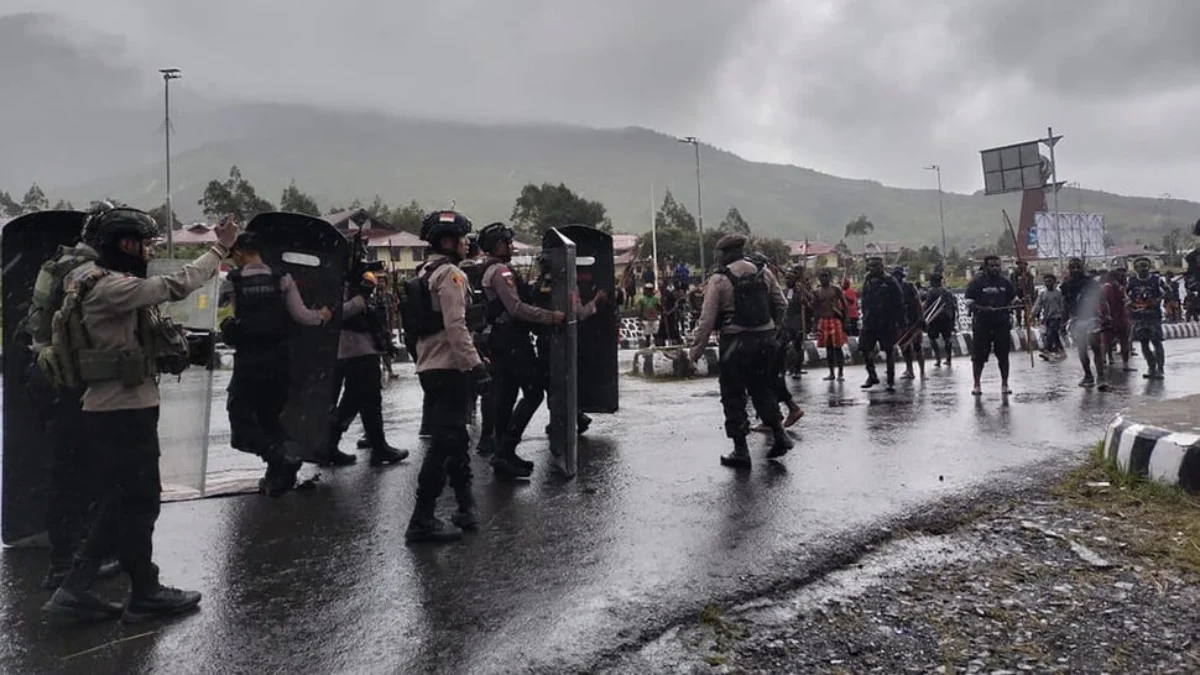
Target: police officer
[473, 266]
[543, 298]
[121, 407]
[72, 489]
[740, 301]
[448, 366]
[263, 301]
[362, 341]
[514, 363]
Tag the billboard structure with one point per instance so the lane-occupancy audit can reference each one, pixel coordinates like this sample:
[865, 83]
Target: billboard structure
[1022, 168]
[1070, 235]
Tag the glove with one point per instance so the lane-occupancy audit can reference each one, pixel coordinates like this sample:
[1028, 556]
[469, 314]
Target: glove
[483, 379]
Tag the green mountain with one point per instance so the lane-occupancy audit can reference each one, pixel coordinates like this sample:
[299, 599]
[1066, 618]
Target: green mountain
[338, 156]
[87, 125]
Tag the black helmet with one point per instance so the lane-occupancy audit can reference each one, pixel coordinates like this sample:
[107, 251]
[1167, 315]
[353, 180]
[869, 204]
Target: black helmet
[92, 219]
[439, 224]
[493, 234]
[472, 245]
[899, 272]
[113, 224]
[247, 241]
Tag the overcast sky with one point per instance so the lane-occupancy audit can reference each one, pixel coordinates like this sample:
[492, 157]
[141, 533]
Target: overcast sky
[859, 88]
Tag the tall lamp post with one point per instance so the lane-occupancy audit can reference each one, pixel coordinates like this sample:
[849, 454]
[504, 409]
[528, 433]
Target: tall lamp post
[941, 212]
[699, 203]
[169, 74]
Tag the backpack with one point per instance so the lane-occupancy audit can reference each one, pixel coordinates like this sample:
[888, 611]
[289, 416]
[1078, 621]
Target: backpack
[751, 299]
[48, 291]
[416, 306]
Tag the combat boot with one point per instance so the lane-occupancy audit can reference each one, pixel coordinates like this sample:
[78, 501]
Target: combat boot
[387, 455]
[160, 602]
[465, 518]
[782, 442]
[80, 606]
[740, 457]
[510, 466]
[426, 528]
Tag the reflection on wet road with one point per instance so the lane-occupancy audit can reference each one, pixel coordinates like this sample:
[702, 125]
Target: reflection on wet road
[653, 526]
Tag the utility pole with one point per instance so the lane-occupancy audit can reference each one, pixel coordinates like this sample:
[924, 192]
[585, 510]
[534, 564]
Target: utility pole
[169, 74]
[699, 202]
[1052, 141]
[941, 213]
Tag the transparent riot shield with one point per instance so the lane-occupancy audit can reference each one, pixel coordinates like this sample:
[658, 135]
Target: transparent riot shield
[315, 254]
[564, 356]
[598, 372]
[185, 410]
[25, 244]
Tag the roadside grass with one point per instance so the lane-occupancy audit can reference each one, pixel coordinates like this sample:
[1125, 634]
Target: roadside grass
[1158, 522]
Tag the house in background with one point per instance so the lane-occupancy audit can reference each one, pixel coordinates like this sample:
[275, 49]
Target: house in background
[1131, 251]
[818, 254]
[400, 251]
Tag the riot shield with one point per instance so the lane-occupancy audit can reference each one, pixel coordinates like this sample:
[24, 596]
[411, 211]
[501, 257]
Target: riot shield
[315, 254]
[25, 244]
[185, 408]
[598, 371]
[564, 356]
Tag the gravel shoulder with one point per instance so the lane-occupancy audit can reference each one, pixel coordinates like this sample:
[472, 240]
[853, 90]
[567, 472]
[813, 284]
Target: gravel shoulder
[1097, 574]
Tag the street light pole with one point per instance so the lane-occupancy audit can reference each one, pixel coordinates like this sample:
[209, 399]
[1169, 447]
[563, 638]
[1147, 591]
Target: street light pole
[699, 202]
[941, 212]
[169, 74]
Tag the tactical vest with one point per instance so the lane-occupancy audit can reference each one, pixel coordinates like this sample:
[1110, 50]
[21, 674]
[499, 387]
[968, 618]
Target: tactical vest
[477, 308]
[494, 310]
[260, 315]
[751, 299]
[48, 291]
[70, 362]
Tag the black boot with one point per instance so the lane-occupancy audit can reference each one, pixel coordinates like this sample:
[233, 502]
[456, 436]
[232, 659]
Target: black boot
[510, 466]
[387, 455]
[80, 606]
[465, 518]
[426, 528]
[782, 443]
[740, 457]
[57, 573]
[160, 602]
[363, 443]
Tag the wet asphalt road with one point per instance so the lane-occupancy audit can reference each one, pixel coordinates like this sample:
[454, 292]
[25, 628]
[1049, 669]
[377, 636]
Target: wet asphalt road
[652, 528]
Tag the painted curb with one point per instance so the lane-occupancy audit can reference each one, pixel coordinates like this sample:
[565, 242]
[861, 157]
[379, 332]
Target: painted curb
[660, 363]
[1164, 456]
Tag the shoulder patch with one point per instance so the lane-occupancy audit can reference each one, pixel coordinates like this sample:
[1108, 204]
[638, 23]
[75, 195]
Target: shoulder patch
[457, 277]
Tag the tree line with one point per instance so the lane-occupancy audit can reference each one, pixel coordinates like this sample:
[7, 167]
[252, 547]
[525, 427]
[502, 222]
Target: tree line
[680, 240]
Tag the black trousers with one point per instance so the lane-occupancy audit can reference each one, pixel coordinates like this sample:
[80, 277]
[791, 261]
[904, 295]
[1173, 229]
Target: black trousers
[362, 394]
[72, 489]
[258, 391]
[124, 444]
[746, 360]
[447, 397]
[779, 368]
[516, 371]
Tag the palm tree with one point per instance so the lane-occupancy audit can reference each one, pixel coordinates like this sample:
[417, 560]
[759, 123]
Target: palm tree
[860, 227]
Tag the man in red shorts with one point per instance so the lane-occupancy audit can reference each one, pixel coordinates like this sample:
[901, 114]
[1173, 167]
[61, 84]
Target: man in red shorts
[829, 306]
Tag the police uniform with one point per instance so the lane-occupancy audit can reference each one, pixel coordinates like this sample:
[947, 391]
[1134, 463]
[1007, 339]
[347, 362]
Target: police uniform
[72, 488]
[473, 268]
[447, 366]
[121, 408]
[362, 342]
[740, 301]
[265, 304]
[515, 365]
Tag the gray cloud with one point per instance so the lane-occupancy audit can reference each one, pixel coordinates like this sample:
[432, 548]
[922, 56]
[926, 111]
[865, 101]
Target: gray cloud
[863, 88]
